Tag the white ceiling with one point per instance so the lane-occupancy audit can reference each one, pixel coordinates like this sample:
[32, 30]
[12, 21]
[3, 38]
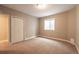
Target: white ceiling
[49, 10]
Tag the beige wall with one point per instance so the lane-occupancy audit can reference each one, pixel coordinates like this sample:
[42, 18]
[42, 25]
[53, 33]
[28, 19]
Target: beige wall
[30, 26]
[30, 22]
[65, 24]
[60, 26]
[65, 27]
[77, 25]
[71, 24]
[4, 25]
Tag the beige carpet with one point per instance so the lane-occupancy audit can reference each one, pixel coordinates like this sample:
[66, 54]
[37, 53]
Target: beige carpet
[39, 46]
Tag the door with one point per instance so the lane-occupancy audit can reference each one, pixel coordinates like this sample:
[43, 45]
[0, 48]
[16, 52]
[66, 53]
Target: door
[16, 29]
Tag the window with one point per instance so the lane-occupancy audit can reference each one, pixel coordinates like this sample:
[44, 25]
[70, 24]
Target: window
[49, 24]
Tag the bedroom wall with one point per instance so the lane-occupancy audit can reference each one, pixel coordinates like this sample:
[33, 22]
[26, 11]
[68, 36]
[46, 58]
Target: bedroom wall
[71, 24]
[77, 25]
[75, 28]
[60, 26]
[65, 27]
[30, 27]
[30, 22]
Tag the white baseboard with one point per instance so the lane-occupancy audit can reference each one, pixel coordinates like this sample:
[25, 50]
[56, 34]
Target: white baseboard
[30, 38]
[58, 39]
[23, 40]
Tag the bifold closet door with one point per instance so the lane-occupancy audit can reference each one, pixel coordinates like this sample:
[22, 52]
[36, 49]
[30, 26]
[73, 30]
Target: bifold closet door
[16, 29]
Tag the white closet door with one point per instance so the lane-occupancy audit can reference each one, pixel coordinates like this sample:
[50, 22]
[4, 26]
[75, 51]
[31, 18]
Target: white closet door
[16, 29]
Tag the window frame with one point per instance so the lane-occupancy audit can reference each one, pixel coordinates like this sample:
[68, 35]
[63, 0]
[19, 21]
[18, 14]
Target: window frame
[51, 25]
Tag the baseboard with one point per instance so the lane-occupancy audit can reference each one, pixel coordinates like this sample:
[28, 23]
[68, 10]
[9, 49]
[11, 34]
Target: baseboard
[57, 39]
[11, 43]
[30, 37]
[22, 40]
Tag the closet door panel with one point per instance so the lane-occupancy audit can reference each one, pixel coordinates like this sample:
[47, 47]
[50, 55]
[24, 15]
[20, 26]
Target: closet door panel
[16, 29]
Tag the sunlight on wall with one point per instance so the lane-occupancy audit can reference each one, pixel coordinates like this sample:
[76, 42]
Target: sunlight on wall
[3, 27]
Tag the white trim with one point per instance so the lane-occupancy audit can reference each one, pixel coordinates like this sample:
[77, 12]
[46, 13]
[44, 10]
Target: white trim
[30, 37]
[23, 40]
[59, 39]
